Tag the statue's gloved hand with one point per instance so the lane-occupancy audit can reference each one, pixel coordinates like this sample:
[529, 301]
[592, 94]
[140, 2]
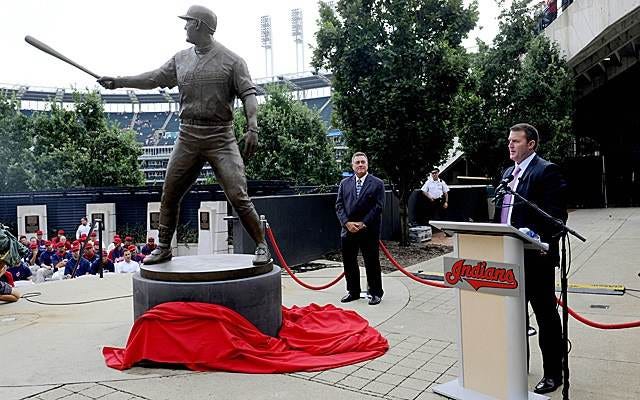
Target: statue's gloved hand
[107, 82]
[250, 140]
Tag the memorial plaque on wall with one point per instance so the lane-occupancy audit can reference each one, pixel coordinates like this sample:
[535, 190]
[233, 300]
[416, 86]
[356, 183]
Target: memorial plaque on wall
[154, 218]
[204, 220]
[31, 223]
[96, 216]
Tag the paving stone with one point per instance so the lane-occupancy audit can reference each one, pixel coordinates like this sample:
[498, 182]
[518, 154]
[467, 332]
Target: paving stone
[429, 395]
[97, 391]
[400, 370]
[118, 396]
[444, 360]
[445, 378]
[390, 379]
[408, 345]
[397, 351]
[79, 387]
[330, 376]
[379, 365]
[403, 393]
[77, 396]
[378, 387]
[426, 376]
[421, 355]
[367, 373]
[354, 382]
[411, 363]
[416, 339]
[416, 384]
[54, 394]
[390, 358]
[348, 369]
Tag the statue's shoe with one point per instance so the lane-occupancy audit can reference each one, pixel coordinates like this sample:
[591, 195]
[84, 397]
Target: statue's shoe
[261, 255]
[159, 255]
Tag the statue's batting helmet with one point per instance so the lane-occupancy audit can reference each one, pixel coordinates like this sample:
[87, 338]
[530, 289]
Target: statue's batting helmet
[202, 14]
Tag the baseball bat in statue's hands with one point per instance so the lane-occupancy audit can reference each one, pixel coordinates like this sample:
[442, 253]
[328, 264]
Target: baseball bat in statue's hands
[107, 82]
[41, 46]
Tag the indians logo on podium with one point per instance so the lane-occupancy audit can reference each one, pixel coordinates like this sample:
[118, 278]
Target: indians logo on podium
[482, 276]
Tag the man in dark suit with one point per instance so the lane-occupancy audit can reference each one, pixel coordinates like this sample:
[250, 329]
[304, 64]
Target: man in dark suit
[541, 182]
[359, 208]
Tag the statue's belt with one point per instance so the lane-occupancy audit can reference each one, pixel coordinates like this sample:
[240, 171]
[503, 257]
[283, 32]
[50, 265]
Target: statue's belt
[204, 122]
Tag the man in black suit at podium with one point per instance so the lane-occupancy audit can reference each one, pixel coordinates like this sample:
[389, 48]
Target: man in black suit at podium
[359, 208]
[541, 182]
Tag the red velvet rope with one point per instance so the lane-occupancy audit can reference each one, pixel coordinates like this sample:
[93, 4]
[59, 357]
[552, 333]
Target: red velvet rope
[404, 271]
[276, 250]
[593, 324]
[575, 315]
[599, 325]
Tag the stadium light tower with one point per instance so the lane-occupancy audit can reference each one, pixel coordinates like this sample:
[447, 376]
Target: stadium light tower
[296, 31]
[266, 42]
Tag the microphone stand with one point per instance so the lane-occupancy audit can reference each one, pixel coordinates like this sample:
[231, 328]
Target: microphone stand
[564, 231]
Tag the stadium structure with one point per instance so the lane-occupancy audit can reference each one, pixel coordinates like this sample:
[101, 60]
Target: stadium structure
[153, 114]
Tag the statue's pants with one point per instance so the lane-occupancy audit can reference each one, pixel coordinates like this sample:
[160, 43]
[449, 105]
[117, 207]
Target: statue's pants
[195, 146]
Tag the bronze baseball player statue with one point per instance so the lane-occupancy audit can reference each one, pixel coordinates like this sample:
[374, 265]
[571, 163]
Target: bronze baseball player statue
[209, 78]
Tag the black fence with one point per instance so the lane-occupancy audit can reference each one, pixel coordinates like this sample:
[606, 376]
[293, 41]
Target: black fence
[306, 226]
[66, 207]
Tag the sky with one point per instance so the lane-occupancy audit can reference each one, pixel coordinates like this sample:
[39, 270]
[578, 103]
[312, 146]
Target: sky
[127, 37]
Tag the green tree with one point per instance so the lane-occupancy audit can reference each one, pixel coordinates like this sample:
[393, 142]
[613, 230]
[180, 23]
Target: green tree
[521, 77]
[397, 65]
[293, 142]
[80, 148]
[16, 159]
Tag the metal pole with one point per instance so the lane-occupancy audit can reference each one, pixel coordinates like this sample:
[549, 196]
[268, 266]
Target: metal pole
[604, 183]
[565, 319]
[100, 264]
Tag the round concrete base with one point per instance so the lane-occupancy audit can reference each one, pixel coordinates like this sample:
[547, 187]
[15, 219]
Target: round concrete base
[257, 298]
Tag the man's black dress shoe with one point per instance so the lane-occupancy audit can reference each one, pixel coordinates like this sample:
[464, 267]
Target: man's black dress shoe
[547, 385]
[375, 300]
[349, 297]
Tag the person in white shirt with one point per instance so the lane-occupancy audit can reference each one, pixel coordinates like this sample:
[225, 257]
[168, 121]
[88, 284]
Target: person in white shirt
[127, 265]
[84, 227]
[437, 193]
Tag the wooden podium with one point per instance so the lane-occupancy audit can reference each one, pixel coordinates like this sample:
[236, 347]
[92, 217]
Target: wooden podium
[487, 273]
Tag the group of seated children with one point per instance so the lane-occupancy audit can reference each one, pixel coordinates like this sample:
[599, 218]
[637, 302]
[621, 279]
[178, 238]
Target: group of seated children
[58, 259]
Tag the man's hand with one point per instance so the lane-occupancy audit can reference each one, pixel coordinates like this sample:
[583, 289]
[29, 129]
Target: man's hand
[352, 227]
[250, 140]
[445, 204]
[107, 82]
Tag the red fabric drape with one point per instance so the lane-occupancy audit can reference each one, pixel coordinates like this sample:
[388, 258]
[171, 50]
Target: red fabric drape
[209, 337]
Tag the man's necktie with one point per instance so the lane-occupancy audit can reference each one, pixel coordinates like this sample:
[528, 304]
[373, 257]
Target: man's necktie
[358, 187]
[507, 200]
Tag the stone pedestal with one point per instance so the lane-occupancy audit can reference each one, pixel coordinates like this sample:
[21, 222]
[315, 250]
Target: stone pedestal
[31, 219]
[228, 280]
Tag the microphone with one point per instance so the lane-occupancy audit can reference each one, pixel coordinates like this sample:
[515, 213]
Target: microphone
[500, 189]
[505, 181]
